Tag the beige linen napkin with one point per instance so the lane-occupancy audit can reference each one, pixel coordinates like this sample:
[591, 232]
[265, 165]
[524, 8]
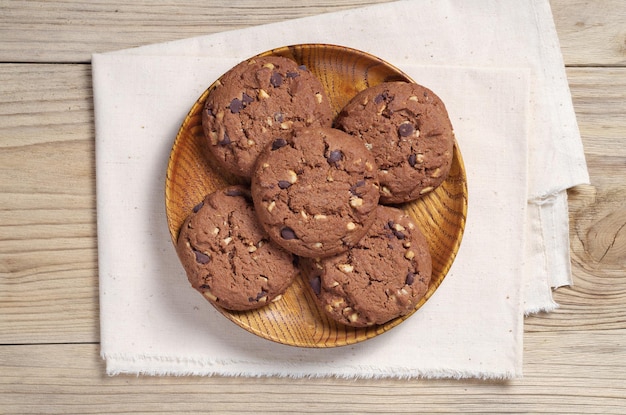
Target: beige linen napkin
[497, 66]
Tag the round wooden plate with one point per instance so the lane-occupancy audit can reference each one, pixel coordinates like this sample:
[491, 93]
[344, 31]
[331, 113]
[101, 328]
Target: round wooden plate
[295, 319]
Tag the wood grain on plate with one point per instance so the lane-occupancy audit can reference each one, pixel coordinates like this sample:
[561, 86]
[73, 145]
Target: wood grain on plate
[296, 319]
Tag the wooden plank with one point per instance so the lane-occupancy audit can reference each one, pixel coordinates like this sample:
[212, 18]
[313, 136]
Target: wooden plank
[70, 31]
[48, 259]
[591, 33]
[64, 379]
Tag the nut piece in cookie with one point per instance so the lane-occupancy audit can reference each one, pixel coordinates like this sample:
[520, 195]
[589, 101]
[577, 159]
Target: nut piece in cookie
[316, 192]
[257, 101]
[407, 128]
[382, 277]
[228, 257]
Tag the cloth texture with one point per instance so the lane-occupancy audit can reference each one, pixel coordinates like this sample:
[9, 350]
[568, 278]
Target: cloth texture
[498, 68]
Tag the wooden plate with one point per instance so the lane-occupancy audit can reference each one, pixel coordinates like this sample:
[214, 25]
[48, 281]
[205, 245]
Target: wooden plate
[296, 319]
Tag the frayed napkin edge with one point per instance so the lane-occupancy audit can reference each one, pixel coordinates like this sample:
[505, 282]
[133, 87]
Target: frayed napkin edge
[120, 364]
[541, 309]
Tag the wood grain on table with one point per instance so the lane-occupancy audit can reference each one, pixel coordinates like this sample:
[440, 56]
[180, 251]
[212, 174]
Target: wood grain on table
[574, 358]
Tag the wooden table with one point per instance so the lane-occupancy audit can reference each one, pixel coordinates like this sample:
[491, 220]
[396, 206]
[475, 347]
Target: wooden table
[574, 358]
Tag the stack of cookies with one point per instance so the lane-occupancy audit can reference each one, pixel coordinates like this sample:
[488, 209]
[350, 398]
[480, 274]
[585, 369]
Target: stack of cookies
[323, 195]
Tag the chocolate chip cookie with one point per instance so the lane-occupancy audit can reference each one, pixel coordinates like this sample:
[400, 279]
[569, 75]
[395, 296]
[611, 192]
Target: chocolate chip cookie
[316, 192]
[407, 128]
[227, 256]
[257, 101]
[381, 278]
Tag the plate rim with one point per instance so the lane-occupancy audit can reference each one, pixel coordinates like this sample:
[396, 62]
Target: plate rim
[367, 334]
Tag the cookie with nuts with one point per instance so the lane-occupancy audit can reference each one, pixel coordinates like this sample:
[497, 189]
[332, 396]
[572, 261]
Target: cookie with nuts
[257, 101]
[227, 256]
[407, 129]
[316, 192]
[381, 278]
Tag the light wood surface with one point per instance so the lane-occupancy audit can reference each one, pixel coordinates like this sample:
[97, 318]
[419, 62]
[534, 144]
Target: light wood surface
[574, 358]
